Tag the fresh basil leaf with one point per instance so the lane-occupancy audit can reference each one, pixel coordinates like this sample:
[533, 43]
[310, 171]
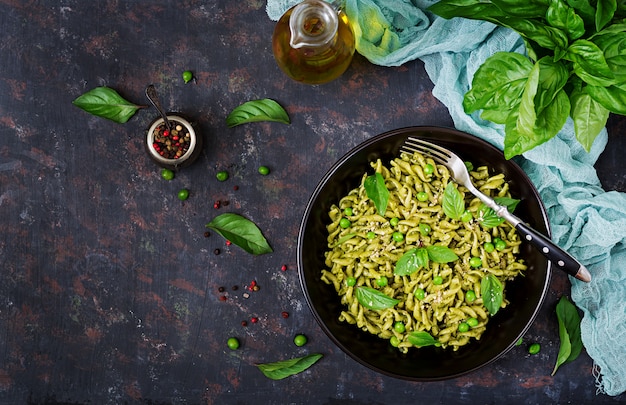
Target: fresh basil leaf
[422, 339]
[605, 10]
[344, 238]
[535, 30]
[441, 254]
[473, 9]
[612, 42]
[411, 261]
[589, 116]
[373, 299]
[453, 204]
[376, 191]
[240, 231]
[491, 291]
[285, 368]
[527, 115]
[256, 111]
[589, 63]
[569, 333]
[488, 218]
[560, 15]
[106, 103]
[584, 9]
[613, 98]
[524, 9]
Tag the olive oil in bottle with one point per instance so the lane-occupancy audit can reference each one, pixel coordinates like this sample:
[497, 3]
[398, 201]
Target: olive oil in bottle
[313, 42]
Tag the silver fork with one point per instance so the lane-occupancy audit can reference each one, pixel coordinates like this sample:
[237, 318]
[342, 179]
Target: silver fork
[458, 170]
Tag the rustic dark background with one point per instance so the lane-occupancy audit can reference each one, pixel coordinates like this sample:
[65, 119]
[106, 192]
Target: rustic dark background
[109, 289]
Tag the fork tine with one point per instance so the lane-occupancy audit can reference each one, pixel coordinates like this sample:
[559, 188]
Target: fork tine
[438, 153]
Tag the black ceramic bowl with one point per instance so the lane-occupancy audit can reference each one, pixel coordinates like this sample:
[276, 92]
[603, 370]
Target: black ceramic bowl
[525, 293]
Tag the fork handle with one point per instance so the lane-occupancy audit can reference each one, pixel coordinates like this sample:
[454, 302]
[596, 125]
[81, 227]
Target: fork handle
[555, 254]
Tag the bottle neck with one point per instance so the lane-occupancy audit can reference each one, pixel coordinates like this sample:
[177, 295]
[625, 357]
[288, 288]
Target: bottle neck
[313, 24]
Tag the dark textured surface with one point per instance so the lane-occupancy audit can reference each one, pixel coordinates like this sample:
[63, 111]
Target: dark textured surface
[109, 289]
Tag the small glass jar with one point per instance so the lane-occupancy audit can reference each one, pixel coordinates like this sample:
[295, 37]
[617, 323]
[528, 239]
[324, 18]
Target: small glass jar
[176, 148]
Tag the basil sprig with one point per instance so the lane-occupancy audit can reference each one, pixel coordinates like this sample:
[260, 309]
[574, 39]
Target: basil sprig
[488, 218]
[106, 103]
[416, 258]
[574, 68]
[491, 291]
[422, 339]
[285, 368]
[569, 333]
[452, 204]
[376, 191]
[373, 299]
[257, 110]
[240, 231]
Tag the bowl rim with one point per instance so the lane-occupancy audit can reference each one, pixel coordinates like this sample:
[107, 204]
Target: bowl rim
[331, 172]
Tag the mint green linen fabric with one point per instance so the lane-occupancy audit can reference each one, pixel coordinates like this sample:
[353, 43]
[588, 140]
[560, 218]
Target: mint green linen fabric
[585, 220]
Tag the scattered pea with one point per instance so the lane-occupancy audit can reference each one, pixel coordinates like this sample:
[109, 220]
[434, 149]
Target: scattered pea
[371, 235]
[424, 229]
[470, 296]
[300, 340]
[222, 175]
[394, 341]
[399, 327]
[351, 281]
[183, 194]
[345, 223]
[437, 280]
[463, 327]
[233, 343]
[398, 236]
[534, 348]
[422, 196]
[500, 244]
[167, 174]
[187, 76]
[419, 294]
[429, 169]
[472, 322]
[475, 262]
[489, 247]
[382, 281]
[348, 211]
[394, 221]
[264, 170]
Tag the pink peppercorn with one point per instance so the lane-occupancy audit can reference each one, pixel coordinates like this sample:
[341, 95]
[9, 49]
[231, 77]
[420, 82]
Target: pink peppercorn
[228, 243]
[284, 314]
[284, 267]
[254, 319]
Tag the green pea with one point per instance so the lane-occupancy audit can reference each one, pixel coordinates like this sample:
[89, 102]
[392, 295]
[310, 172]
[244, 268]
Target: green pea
[187, 76]
[399, 327]
[422, 196]
[437, 280]
[345, 223]
[489, 247]
[264, 170]
[472, 322]
[183, 194]
[394, 221]
[222, 175]
[470, 296]
[348, 211]
[467, 216]
[463, 327]
[534, 348]
[398, 236]
[394, 341]
[424, 229]
[429, 169]
[371, 235]
[475, 262]
[500, 244]
[300, 340]
[233, 343]
[420, 294]
[351, 281]
[167, 174]
[382, 281]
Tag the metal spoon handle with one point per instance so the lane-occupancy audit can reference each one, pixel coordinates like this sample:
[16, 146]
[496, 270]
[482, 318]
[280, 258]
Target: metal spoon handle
[154, 99]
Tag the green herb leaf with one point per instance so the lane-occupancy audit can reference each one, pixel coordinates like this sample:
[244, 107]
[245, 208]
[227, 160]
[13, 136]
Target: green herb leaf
[589, 116]
[256, 111]
[453, 204]
[422, 339]
[492, 293]
[569, 333]
[240, 231]
[605, 10]
[488, 218]
[441, 254]
[411, 261]
[373, 299]
[285, 368]
[106, 103]
[344, 239]
[377, 192]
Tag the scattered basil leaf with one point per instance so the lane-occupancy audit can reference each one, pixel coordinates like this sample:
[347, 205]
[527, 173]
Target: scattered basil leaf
[422, 339]
[240, 231]
[453, 204]
[488, 218]
[256, 111]
[491, 292]
[411, 261]
[569, 332]
[285, 368]
[106, 103]
[441, 254]
[373, 299]
[376, 191]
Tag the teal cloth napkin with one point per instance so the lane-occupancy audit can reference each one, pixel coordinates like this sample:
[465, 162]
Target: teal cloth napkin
[585, 220]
